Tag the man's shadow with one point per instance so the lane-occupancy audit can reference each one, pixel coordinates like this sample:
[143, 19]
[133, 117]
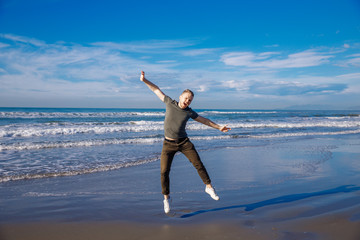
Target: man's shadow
[279, 200]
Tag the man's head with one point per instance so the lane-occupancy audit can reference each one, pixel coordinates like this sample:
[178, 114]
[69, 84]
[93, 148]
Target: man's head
[186, 98]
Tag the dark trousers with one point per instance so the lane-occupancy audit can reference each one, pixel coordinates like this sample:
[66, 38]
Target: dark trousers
[167, 155]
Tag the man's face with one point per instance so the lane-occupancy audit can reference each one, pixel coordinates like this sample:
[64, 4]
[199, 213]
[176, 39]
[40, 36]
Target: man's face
[185, 100]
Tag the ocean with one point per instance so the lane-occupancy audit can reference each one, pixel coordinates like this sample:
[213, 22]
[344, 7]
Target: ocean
[55, 142]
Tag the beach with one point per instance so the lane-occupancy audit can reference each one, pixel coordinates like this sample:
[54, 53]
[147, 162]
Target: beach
[301, 188]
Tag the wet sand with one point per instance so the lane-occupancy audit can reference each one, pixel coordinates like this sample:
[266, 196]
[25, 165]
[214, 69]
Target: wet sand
[299, 189]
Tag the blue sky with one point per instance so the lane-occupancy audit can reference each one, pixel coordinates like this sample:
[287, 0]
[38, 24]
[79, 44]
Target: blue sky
[233, 54]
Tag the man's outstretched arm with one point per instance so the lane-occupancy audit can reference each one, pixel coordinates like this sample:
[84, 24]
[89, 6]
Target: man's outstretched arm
[210, 123]
[152, 87]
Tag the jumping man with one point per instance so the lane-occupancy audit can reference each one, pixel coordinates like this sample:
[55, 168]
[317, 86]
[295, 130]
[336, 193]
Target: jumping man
[176, 116]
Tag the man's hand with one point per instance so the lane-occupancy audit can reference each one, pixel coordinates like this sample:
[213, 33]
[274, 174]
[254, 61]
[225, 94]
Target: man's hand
[142, 77]
[224, 128]
[152, 87]
[210, 123]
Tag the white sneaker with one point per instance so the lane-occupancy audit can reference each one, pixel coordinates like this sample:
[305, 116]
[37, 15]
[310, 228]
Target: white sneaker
[212, 193]
[167, 205]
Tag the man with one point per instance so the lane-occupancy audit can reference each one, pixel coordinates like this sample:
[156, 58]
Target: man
[176, 117]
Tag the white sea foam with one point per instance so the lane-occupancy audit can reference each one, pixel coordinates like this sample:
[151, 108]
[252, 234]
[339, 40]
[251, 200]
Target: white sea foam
[30, 115]
[343, 117]
[92, 143]
[237, 112]
[38, 194]
[160, 113]
[75, 172]
[303, 124]
[278, 135]
[71, 129]
[87, 143]
[303, 134]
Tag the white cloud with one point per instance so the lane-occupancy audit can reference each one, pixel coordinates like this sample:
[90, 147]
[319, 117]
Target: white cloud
[3, 45]
[354, 61]
[22, 39]
[239, 59]
[350, 76]
[242, 85]
[270, 60]
[283, 88]
[199, 52]
[167, 61]
[202, 88]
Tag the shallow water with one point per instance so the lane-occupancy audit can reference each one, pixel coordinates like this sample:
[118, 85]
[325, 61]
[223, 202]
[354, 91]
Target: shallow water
[45, 142]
